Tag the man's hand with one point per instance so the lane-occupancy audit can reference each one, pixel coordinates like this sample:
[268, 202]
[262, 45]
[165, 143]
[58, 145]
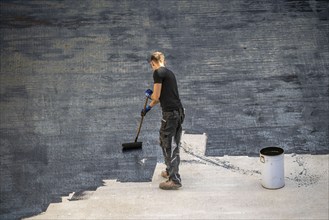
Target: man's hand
[148, 93]
[144, 111]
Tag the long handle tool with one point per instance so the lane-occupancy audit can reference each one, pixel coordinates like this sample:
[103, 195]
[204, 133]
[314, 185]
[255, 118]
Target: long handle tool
[136, 145]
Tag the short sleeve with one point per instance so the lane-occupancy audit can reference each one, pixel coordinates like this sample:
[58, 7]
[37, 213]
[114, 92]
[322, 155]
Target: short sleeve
[156, 77]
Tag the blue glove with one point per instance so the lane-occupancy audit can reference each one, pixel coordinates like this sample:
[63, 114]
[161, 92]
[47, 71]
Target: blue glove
[144, 111]
[148, 93]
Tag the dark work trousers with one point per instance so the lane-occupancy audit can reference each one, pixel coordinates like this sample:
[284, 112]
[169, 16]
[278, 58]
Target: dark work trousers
[170, 135]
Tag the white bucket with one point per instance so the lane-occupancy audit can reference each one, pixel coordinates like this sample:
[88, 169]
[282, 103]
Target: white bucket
[272, 159]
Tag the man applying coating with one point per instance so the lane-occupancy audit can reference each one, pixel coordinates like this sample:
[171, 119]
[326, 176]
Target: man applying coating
[165, 92]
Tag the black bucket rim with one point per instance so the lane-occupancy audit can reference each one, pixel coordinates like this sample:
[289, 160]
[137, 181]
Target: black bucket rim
[272, 151]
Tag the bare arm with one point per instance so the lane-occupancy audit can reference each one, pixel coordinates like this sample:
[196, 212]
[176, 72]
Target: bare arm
[156, 94]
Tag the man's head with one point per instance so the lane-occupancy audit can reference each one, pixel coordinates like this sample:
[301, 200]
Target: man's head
[157, 60]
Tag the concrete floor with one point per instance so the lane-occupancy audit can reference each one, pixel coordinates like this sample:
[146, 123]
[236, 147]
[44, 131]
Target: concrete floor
[226, 187]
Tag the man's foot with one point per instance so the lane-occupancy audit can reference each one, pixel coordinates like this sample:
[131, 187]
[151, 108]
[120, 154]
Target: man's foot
[165, 174]
[170, 185]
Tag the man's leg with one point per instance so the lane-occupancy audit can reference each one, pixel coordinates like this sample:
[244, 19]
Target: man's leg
[165, 139]
[175, 159]
[166, 157]
[170, 134]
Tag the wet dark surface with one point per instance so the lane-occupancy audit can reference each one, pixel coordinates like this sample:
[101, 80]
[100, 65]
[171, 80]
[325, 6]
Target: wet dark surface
[251, 74]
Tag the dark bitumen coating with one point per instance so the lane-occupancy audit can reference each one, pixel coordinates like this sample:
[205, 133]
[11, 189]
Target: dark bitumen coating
[251, 74]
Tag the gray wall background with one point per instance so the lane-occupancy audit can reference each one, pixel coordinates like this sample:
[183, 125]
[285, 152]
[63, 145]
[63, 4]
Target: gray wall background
[251, 74]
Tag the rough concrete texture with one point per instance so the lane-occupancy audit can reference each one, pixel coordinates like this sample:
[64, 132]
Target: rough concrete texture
[213, 188]
[251, 74]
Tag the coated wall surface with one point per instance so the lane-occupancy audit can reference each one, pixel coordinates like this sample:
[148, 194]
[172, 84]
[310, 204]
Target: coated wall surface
[251, 74]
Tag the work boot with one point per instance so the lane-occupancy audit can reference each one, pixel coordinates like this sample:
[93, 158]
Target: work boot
[165, 174]
[170, 185]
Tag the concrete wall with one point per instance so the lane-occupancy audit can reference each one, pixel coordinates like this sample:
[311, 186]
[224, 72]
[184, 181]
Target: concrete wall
[251, 74]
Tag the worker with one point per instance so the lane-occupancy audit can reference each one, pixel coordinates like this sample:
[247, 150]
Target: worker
[165, 92]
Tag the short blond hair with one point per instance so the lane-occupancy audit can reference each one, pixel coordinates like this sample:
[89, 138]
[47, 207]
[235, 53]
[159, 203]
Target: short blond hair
[157, 57]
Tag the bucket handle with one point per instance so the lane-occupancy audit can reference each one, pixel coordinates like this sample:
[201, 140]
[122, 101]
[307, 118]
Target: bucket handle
[262, 159]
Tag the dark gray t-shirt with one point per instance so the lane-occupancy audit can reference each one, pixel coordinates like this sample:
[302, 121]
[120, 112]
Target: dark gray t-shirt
[169, 98]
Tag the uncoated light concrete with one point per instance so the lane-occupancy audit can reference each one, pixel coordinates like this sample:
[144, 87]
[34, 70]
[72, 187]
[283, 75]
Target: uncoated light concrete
[213, 188]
